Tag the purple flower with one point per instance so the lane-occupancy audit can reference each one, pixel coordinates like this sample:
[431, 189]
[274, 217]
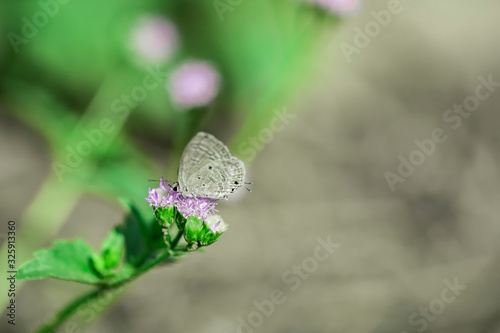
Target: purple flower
[165, 196]
[193, 84]
[200, 207]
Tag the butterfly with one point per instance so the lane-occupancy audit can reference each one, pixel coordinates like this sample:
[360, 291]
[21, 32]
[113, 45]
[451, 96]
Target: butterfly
[207, 169]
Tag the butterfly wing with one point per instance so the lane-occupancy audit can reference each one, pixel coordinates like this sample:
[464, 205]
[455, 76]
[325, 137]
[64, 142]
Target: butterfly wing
[207, 168]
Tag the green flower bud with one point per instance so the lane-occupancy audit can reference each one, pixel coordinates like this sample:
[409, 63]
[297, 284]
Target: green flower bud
[205, 232]
[192, 230]
[213, 228]
[208, 237]
[166, 216]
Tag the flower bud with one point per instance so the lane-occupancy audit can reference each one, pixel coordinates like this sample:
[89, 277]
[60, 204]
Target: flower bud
[165, 216]
[213, 228]
[208, 237]
[204, 233]
[193, 229]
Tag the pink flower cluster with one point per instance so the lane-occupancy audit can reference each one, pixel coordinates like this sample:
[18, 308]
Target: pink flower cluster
[164, 196]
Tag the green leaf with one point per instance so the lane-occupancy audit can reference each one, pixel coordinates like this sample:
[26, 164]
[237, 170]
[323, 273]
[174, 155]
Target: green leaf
[135, 242]
[67, 260]
[112, 248]
[136, 236]
[156, 237]
[98, 264]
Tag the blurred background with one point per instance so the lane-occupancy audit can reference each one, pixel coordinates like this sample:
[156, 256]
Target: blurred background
[371, 124]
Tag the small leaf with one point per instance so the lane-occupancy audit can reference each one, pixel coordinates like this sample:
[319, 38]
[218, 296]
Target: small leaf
[136, 233]
[98, 264]
[156, 238]
[112, 248]
[67, 260]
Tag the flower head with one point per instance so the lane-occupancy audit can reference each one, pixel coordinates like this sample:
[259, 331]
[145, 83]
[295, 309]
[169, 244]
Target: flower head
[163, 196]
[154, 38]
[194, 84]
[216, 224]
[200, 224]
[200, 207]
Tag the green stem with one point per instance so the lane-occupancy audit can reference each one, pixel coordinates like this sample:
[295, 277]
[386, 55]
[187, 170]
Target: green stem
[177, 238]
[165, 254]
[67, 311]
[54, 323]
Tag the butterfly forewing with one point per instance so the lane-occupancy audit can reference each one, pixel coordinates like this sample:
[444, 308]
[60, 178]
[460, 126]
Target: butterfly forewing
[207, 168]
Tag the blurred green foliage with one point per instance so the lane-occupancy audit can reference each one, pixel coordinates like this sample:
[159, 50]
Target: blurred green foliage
[75, 60]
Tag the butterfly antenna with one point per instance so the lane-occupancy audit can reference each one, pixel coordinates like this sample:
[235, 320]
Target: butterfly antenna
[153, 180]
[249, 190]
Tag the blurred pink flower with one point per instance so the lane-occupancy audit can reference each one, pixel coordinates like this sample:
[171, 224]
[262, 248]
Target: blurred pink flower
[339, 7]
[154, 38]
[195, 83]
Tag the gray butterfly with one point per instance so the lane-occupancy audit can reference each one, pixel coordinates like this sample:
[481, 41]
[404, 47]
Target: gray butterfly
[207, 169]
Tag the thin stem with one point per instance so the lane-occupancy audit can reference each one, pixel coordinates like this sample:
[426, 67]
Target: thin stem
[141, 270]
[177, 238]
[67, 311]
[51, 325]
